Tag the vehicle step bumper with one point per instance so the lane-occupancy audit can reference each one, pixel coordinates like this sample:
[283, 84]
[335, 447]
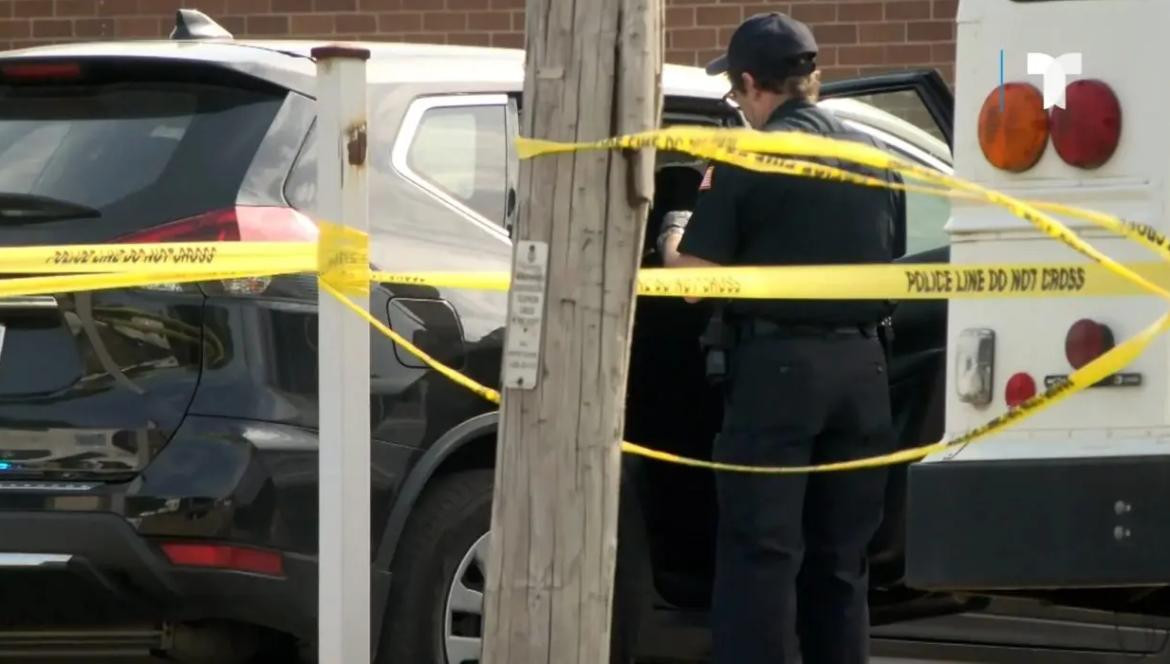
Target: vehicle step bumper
[1039, 523]
[75, 643]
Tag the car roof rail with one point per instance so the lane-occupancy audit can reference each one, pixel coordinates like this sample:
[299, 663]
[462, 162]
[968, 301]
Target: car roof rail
[194, 24]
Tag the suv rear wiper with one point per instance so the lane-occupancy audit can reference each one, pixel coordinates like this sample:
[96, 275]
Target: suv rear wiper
[31, 208]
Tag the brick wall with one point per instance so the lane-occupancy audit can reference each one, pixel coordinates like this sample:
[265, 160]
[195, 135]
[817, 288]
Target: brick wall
[856, 36]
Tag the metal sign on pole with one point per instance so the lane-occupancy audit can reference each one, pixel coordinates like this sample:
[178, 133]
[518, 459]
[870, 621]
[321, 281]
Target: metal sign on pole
[343, 360]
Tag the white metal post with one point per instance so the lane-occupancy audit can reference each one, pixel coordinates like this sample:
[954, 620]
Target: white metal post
[343, 360]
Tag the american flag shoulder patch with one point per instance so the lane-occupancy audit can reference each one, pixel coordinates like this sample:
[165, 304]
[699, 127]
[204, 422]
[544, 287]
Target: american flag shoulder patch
[706, 183]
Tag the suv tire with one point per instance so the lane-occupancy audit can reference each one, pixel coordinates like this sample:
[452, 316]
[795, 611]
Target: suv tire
[449, 521]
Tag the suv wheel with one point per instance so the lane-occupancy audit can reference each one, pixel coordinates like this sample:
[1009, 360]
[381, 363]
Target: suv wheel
[435, 611]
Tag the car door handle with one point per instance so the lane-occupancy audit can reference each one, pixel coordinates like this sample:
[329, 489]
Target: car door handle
[28, 302]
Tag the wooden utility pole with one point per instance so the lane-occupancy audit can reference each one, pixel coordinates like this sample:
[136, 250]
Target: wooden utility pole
[593, 70]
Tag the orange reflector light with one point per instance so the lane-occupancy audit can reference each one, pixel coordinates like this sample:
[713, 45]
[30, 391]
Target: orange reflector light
[1013, 127]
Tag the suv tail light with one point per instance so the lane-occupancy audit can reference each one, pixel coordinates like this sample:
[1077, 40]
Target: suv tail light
[1086, 131]
[1013, 127]
[237, 224]
[222, 556]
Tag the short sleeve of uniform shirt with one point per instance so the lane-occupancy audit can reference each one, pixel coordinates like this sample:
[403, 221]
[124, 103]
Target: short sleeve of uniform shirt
[713, 232]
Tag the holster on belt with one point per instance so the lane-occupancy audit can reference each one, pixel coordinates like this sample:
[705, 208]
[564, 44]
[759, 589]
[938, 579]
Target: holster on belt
[717, 340]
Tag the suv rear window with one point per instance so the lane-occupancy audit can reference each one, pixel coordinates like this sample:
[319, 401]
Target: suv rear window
[140, 153]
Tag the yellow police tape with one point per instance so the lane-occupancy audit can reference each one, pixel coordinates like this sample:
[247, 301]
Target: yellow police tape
[178, 257]
[920, 281]
[341, 259]
[757, 150]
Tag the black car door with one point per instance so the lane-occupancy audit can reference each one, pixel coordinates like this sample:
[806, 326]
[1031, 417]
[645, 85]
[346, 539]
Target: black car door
[918, 365]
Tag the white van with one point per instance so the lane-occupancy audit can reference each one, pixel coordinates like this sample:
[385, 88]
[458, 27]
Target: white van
[1066, 504]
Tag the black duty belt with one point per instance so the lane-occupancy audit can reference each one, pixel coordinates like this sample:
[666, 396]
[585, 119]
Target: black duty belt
[753, 328]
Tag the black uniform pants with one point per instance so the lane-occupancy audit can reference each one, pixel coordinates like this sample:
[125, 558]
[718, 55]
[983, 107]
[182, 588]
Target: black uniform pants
[791, 549]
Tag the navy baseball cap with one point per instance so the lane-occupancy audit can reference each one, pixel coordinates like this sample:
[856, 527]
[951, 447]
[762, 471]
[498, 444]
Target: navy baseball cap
[770, 42]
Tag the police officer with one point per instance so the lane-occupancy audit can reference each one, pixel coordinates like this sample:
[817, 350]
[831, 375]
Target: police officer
[806, 380]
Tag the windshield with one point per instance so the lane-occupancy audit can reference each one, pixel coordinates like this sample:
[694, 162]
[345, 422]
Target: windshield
[141, 154]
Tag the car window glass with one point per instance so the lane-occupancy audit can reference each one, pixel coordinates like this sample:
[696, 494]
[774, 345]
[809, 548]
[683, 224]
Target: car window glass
[461, 151]
[141, 153]
[907, 105]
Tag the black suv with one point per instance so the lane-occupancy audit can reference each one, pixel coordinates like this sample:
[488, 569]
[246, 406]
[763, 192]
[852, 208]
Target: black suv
[158, 470]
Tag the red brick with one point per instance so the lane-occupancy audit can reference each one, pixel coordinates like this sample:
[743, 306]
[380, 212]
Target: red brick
[400, 22]
[942, 53]
[117, 7]
[335, 5]
[827, 56]
[94, 27]
[5, 8]
[312, 24]
[418, 5]
[907, 9]
[705, 56]
[879, 33]
[471, 39]
[507, 4]
[74, 8]
[860, 55]
[282, 6]
[946, 9]
[489, 21]
[721, 15]
[237, 25]
[15, 29]
[908, 54]
[838, 73]
[267, 25]
[931, 31]
[691, 38]
[379, 5]
[724, 34]
[859, 11]
[508, 40]
[33, 8]
[424, 38]
[136, 26]
[444, 22]
[680, 17]
[837, 33]
[752, 9]
[682, 57]
[467, 4]
[357, 23]
[815, 12]
[518, 21]
[52, 28]
[245, 6]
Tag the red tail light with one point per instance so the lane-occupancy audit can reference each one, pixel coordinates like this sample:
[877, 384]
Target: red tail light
[1086, 341]
[244, 223]
[1086, 131]
[223, 556]
[1013, 127]
[1020, 388]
